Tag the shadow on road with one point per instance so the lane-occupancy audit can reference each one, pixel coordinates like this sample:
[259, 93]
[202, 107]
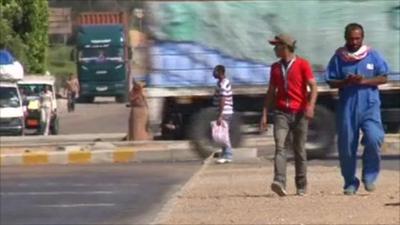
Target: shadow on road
[384, 157]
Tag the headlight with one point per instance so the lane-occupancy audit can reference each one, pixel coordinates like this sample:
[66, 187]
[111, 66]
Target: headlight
[119, 85]
[119, 66]
[84, 67]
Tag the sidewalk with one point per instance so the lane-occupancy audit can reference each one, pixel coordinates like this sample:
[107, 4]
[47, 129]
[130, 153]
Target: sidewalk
[239, 193]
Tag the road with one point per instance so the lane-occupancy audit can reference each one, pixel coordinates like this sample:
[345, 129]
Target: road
[103, 116]
[93, 194]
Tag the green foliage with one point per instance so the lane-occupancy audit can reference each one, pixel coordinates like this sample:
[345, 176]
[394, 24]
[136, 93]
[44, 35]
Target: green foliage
[59, 60]
[24, 25]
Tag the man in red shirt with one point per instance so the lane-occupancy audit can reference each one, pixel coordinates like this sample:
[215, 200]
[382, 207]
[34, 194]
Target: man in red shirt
[290, 77]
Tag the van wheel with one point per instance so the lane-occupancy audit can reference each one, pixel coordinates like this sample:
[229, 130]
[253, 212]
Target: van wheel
[200, 131]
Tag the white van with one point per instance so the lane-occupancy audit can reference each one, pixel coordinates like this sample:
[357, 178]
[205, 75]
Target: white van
[11, 109]
[31, 87]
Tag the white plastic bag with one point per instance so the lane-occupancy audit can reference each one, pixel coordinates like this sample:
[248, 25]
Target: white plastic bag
[220, 133]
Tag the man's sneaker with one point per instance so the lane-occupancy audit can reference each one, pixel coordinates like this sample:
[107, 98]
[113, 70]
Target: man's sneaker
[370, 187]
[352, 189]
[223, 161]
[301, 192]
[278, 189]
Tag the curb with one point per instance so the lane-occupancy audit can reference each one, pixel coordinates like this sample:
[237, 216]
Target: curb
[118, 155]
[167, 208]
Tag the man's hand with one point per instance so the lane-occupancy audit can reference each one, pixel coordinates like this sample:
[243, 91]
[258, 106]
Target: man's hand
[310, 111]
[263, 124]
[219, 120]
[355, 79]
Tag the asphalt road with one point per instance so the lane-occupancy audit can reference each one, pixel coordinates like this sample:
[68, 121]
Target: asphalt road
[103, 116]
[93, 194]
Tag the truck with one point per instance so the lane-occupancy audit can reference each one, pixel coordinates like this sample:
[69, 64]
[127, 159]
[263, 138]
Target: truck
[187, 39]
[102, 55]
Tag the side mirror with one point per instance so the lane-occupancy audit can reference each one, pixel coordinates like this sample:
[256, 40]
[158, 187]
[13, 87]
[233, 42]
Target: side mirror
[72, 55]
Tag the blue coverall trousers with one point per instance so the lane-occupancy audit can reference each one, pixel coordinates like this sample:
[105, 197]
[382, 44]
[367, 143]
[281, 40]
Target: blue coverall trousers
[359, 109]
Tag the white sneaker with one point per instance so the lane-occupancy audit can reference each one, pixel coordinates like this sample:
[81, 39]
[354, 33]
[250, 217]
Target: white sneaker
[223, 161]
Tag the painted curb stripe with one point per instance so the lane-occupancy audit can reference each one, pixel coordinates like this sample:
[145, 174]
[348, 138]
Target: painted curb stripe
[37, 158]
[79, 157]
[123, 155]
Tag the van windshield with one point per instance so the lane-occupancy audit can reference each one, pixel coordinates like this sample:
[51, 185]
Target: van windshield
[33, 89]
[9, 97]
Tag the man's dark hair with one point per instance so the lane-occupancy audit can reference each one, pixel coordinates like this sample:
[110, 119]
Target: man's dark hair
[220, 69]
[353, 26]
[291, 48]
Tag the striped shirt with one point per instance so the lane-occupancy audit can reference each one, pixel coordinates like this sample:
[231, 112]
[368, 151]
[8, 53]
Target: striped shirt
[224, 89]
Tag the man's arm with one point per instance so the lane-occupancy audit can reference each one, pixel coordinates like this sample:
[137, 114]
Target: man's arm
[374, 81]
[312, 84]
[338, 83]
[221, 106]
[267, 103]
[314, 91]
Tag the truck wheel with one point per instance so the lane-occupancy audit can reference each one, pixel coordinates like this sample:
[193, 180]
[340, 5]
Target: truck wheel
[321, 133]
[200, 131]
[121, 98]
[393, 128]
[86, 99]
[55, 126]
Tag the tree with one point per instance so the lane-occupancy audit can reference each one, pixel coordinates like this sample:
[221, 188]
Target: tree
[33, 30]
[24, 25]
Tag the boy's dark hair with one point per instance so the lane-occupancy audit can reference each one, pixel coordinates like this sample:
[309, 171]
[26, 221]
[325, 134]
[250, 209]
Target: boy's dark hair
[220, 69]
[353, 26]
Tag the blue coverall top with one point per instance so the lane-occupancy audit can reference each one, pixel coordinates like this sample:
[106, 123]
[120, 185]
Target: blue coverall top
[357, 98]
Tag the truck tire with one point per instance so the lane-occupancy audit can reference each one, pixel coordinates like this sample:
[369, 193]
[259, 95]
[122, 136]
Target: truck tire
[86, 99]
[393, 128]
[200, 131]
[121, 98]
[321, 133]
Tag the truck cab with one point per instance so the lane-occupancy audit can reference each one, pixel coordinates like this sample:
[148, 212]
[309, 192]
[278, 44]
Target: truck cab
[102, 56]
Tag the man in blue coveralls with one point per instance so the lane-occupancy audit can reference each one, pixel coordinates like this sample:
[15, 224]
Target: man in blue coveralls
[357, 70]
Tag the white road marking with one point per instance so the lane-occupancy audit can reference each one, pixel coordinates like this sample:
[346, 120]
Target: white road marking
[72, 184]
[58, 193]
[78, 205]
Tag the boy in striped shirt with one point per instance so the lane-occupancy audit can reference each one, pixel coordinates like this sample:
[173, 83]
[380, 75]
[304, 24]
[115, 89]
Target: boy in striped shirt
[224, 101]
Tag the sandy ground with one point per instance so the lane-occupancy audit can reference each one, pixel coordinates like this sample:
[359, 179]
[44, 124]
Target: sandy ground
[240, 194]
